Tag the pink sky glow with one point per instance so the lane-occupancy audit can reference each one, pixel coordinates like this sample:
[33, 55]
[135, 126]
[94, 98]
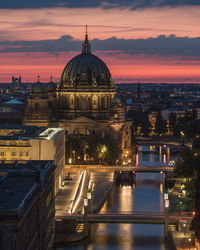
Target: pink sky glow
[52, 23]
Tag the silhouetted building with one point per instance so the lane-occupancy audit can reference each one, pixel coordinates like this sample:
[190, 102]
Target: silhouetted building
[27, 205]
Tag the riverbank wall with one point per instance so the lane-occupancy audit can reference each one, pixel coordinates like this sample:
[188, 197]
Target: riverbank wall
[100, 196]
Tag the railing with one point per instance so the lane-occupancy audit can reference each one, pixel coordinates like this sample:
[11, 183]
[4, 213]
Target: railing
[138, 217]
[139, 168]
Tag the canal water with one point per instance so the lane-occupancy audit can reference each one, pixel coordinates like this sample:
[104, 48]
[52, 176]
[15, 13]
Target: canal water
[146, 195]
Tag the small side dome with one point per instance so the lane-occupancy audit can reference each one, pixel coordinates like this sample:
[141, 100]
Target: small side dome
[37, 88]
[50, 87]
[116, 101]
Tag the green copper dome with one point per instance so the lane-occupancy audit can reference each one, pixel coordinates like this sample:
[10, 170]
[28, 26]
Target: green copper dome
[50, 87]
[86, 69]
[116, 101]
[37, 88]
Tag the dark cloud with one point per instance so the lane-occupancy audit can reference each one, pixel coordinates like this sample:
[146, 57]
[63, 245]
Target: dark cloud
[65, 43]
[93, 3]
[162, 45]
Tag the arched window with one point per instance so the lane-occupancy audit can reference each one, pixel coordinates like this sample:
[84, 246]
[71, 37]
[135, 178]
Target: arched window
[76, 131]
[50, 105]
[83, 103]
[87, 131]
[103, 103]
[37, 106]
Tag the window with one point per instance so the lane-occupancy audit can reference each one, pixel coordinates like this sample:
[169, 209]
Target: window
[13, 153]
[87, 131]
[125, 144]
[37, 106]
[2, 153]
[115, 115]
[27, 153]
[20, 153]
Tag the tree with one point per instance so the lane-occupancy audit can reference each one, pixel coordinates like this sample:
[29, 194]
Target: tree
[140, 118]
[186, 164]
[145, 127]
[160, 125]
[172, 121]
[104, 150]
[74, 149]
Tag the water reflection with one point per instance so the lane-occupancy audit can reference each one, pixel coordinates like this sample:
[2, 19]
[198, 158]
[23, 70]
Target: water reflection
[145, 196]
[163, 155]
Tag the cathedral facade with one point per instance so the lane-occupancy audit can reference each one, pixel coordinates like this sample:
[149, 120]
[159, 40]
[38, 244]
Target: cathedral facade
[84, 103]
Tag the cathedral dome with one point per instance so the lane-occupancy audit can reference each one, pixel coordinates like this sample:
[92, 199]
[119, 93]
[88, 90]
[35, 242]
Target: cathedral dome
[86, 69]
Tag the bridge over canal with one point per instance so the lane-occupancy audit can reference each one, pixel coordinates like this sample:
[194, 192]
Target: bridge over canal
[139, 168]
[137, 218]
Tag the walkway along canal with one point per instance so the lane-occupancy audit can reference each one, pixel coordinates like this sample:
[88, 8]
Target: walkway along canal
[145, 195]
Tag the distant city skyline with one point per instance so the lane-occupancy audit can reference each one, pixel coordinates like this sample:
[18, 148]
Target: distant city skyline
[154, 42]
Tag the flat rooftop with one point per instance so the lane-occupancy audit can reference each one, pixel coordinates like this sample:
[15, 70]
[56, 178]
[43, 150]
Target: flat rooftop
[28, 132]
[14, 189]
[19, 179]
[6, 166]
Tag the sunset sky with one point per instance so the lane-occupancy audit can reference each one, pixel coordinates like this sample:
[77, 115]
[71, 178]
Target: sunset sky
[146, 40]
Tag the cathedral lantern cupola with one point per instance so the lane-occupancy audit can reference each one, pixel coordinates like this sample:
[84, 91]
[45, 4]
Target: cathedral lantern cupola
[86, 46]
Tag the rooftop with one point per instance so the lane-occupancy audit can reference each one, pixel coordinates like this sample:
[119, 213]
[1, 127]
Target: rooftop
[14, 188]
[14, 101]
[28, 132]
[19, 179]
[30, 166]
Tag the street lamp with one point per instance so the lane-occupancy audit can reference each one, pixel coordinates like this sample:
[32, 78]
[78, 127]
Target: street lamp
[166, 215]
[182, 135]
[166, 196]
[184, 228]
[85, 202]
[167, 203]
[89, 197]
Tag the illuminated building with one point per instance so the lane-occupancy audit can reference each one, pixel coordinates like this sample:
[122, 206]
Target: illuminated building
[84, 103]
[34, 143]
